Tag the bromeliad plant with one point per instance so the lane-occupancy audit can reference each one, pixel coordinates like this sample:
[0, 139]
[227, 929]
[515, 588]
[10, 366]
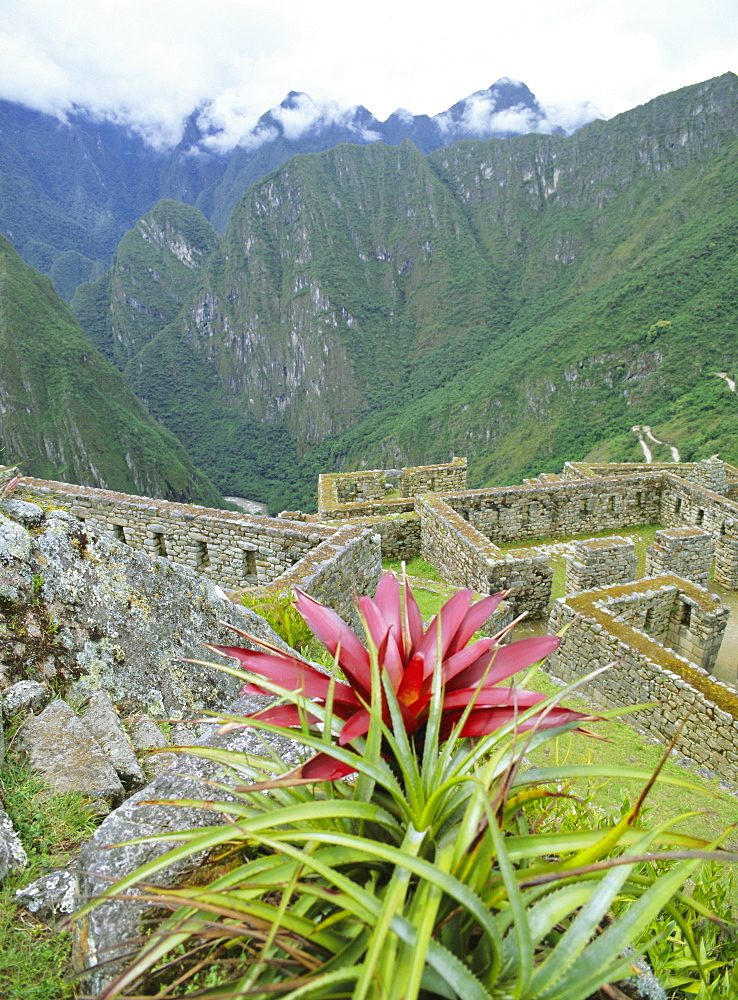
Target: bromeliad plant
[421, 876]
[409, 661]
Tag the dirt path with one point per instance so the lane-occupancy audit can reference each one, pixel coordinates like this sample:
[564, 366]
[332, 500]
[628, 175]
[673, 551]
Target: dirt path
[674, 451]
[726, 377]
[646, 450]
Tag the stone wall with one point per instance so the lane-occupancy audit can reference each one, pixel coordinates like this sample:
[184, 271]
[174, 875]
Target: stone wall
[400, 535]
[364, 494]
[433, 478]
[686, 504]
[347, 564]
[560, 509]
[360, 486]
[685, 552]
[465, 558]
[598, 562]
[232, 549]
[642, 671]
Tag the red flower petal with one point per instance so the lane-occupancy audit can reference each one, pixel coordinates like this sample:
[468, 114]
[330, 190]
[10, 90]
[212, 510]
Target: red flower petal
[288, 672]
[333, 632]
[412, 680]
[476, 616]
[357, 725]
[491, 698]
[508, 660]
[413, 620]
[387, 600]
[487, 720]
[283, 715]
[323, 767]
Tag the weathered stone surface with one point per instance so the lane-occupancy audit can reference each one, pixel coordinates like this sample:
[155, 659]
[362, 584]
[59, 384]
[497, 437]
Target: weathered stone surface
[101, 720]
[28, 514]
[25, 696]
[146, 735]
[91, 613]
[12, 855]
[108, 930]
[58, 746]
[16, 573]
[51, 895]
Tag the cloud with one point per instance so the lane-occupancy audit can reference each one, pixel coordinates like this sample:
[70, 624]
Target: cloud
[231, 124]
[571, 117]
[149, 63]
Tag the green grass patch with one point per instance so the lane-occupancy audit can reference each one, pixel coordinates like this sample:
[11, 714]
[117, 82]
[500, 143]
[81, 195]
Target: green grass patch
[414, 567]
[623, 746]
[34, 956]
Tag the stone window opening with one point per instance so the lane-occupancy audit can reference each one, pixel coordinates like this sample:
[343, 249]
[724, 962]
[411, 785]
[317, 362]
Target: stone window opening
[648, 621]
[611, 503]
[160, 544]
[202, 556]
[685, 617]
[639, 498]
[700, 516]
[119, 533]
[249, 569]
[678, 505]
[583, 507]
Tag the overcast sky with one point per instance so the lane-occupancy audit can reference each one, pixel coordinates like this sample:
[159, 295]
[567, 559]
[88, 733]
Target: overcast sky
[151, 62]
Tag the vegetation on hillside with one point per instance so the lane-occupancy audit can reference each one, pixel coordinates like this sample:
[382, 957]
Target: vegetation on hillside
[521, 301]
[68, 414]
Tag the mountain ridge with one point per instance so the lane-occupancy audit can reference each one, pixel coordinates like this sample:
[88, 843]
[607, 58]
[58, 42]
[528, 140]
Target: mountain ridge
[523, 301]
[73, 188]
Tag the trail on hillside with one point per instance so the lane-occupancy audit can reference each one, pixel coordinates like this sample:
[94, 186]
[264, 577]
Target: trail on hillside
[646, 429]
[672, 448]
[726, 377]
[646, 450]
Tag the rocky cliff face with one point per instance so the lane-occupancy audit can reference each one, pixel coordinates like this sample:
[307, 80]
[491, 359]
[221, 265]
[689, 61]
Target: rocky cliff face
[73, 188]
[377, 305]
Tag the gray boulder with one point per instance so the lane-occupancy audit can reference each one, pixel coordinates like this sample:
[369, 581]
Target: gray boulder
[101, 720]
[58, 746]
[24, 697]
[109, 930]
[12, 855]
[49, 896]
[16, 571]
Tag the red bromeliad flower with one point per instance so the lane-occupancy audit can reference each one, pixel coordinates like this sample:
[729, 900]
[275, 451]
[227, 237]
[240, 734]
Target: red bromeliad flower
[407, 655]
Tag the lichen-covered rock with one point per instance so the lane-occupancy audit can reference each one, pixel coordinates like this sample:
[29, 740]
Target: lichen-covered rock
[12, 855]
[107, 931]
[88, 613]
[101, 720]
[49, 896]
[16, 573]
[28, 514]
[57, 745]
[25, 696]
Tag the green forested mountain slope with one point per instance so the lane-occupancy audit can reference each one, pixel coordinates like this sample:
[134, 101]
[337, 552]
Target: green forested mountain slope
[65, 412]
[520, 301]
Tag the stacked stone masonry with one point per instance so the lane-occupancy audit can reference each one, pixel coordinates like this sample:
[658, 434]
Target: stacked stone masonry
[685, 552]
[365, 493]
[603, 630]
[234, 550]
[598, 562]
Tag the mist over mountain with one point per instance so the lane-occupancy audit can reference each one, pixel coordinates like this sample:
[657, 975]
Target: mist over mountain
[73, 187]
[521, 301]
